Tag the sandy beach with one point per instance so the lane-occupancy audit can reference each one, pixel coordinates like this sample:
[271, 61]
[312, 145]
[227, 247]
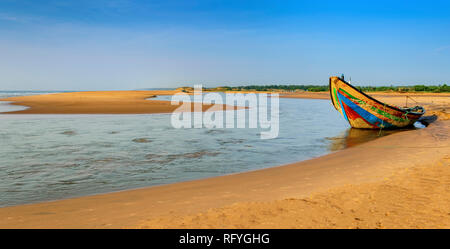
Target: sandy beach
[344, 122]
[397, 181]
[98, 102]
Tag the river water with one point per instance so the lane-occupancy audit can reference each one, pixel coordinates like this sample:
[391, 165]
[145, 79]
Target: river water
[50, 157]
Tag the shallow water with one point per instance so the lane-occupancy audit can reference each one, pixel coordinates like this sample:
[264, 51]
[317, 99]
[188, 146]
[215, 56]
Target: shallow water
[49, 157]
[5, 105]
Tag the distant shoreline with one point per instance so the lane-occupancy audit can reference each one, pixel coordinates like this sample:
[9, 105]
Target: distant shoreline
[134, 102]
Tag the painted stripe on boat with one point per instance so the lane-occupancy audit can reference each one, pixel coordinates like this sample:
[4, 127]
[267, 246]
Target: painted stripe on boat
[373, 108]
[342, 109]
[369, 117]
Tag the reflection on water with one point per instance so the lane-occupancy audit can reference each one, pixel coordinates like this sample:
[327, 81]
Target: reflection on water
[352, 137]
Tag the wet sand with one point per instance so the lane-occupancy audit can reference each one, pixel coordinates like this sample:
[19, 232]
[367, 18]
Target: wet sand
[415, 197]
[398, 181]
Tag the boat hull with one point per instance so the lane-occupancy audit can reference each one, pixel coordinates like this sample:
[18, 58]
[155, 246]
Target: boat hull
[365, 112]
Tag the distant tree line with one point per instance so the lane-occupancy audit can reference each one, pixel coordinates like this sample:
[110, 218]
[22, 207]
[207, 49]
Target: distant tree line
[323, 88]
[415, 88]
[311, 88]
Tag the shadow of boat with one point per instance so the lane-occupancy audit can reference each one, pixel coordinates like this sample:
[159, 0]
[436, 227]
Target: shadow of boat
[427, 120]
[353, 136]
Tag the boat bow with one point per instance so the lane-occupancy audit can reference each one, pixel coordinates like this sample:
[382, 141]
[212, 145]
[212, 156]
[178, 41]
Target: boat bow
[363, 111]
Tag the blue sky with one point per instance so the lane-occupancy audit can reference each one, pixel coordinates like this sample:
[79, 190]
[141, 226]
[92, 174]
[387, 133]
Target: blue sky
[121, 44]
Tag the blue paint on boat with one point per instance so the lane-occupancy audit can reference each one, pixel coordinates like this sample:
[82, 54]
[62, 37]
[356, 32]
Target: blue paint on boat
[369, 117]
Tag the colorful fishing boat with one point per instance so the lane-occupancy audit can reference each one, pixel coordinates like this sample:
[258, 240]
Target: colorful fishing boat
[363, 111]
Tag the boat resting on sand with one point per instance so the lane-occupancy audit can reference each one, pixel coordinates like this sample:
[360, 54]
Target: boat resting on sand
[363, 111]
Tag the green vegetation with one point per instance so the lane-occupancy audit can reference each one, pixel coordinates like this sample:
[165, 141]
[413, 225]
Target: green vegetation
[323, 88]
[416, 88]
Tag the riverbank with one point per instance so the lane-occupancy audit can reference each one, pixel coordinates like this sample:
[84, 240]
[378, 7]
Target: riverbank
[357, 188]
[359, 171]
[412, 197]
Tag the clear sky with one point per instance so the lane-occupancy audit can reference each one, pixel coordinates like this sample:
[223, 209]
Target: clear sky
[121, 44]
